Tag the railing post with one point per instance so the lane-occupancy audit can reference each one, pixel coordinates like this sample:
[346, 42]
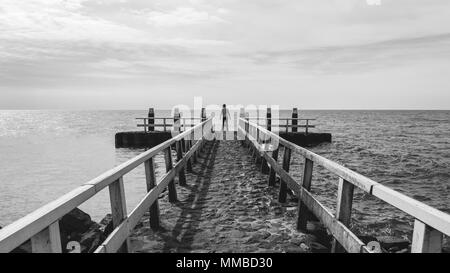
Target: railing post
[307, 125]
[294, 120]
[257, 133]
[145, 126]
[247, 128]
[283, 186]
[343, 209]
[203, 115]
[165, 125]
[47, 241]
[426, 239]
[176, 120]
[186, 149]
[264, 166]
[269, 119]
[181, 174]
[118, 207]
[272, 173]
[193, 142]
[257, 147]
[302, 214]
[151, 119]
[151, 183]
[169, 166]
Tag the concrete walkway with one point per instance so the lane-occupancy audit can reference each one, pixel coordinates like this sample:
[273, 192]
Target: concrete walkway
[226, 207]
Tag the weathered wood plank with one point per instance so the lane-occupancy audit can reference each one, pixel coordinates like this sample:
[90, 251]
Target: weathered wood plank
[181, 174]
[343, 208]
[121, 233]
[291, 183]
[283, 186]
[150, 198]
[302, 213]
[189, 162]
[272, 173]
[169, 165]
[343, 235]
[150, 176]
[435, 218]
[118, 206]
[426, 239]
[48, 240]
[117, 239]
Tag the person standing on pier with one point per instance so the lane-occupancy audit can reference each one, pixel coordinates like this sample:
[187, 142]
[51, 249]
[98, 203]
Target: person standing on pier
[225, 114]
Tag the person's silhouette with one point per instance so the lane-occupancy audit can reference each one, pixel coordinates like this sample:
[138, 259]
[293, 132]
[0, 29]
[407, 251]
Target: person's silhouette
[225, 114]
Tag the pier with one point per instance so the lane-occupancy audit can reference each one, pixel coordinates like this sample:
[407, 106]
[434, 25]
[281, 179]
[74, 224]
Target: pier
[155, 130]
[260, 167]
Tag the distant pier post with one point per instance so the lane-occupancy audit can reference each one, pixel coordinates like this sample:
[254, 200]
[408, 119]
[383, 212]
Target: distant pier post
[269, 119]
[176, 120]
[203, 115]
[294, 120]
[241, 135]
[151, 119]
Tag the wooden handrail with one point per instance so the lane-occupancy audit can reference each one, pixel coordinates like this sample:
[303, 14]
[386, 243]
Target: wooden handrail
[430, 223]
[40, 225]
[166, 118]
[293, 125]
[176, 123]
[262, 118]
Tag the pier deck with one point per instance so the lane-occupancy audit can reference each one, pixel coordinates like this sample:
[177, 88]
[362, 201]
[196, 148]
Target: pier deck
[225, 207]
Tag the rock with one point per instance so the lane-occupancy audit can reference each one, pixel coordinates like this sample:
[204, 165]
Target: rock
[388, 242]
[237, 234]
[318, 248]
[294, 250]
[296, 241]
[246, 219]
[75, 221]
[305, 247]
[107, 225]
[78, 226]
[266, 245]
[276, 239]
[258, 237]
[75, 226]
[366, 239]
[91, 239]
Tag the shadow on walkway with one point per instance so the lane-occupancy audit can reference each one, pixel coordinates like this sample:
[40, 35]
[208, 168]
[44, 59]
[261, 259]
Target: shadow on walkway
[194, 203]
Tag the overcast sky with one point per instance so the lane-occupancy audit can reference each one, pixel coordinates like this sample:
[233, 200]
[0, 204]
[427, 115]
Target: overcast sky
[134, 54]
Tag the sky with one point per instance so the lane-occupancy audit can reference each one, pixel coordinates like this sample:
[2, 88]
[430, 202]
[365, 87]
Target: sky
[136, 54]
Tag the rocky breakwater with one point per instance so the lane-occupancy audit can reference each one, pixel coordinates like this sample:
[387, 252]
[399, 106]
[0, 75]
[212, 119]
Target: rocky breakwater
[77, 226]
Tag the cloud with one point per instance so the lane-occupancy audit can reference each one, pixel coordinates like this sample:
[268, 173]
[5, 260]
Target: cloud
[216, 44]
[182, 16]
[358, 58]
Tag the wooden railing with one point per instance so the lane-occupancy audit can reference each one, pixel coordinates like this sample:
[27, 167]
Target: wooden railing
[429, 226]
[42, 225]
[286, 123]
[177, 124]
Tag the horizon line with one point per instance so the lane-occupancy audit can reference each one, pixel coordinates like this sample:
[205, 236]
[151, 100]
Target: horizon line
[290, 108]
